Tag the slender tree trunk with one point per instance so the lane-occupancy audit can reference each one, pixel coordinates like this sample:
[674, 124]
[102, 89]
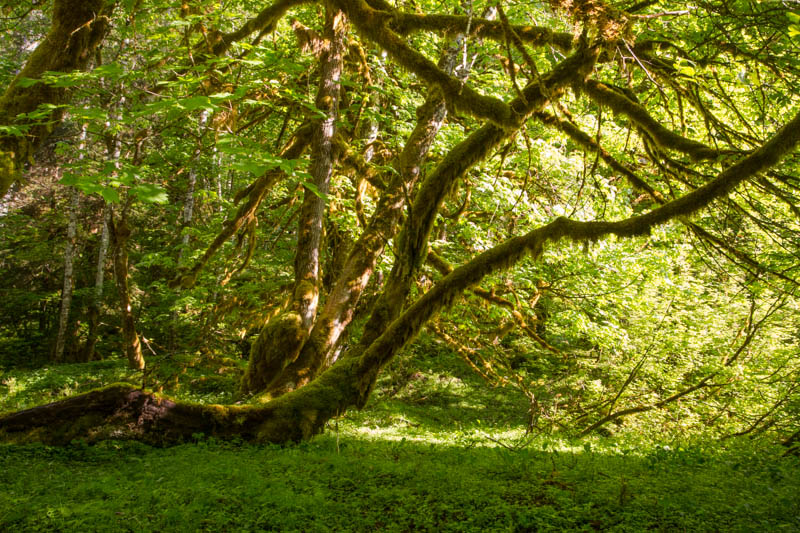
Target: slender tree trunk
[188, 212]
[188, 201]
[323, 159]
[216, 164]
[89, 352]
[69, 258]
[120, 233]
[281, 340]
[318, 351]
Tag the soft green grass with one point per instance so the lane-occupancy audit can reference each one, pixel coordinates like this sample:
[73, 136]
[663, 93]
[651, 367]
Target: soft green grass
[437, 452]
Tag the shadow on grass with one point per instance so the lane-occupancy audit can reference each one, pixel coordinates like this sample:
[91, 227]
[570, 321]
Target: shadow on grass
[432, 455]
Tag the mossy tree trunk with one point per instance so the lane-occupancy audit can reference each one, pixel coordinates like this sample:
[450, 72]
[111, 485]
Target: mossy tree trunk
[125, 411]
[120, 234]
[340, 305]
[283, 337]
[76, 30]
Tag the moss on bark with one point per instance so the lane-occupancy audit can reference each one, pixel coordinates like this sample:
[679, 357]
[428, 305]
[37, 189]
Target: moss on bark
[278, 344]
[77, 28]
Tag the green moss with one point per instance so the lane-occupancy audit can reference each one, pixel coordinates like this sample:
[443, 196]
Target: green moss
[9, 171]
[278, 344]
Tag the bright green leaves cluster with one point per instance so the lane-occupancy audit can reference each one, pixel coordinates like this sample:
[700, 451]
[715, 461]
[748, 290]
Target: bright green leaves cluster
[111, 179]
[685, 67]
[794, 27]
[252, 158]
[110, 71]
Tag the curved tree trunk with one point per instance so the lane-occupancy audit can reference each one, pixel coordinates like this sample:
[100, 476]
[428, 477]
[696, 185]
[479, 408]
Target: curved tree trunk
[122, 411]
[340, 305]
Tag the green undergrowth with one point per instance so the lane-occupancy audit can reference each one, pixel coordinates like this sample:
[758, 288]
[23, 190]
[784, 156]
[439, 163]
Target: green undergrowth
[435, 450]
[357, 484]
[213, 381]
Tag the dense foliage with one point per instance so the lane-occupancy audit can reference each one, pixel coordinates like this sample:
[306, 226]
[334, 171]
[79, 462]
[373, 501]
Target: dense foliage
[617, 181]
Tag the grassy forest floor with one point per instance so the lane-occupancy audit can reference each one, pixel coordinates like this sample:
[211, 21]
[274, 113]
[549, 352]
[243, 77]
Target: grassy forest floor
[435, 451]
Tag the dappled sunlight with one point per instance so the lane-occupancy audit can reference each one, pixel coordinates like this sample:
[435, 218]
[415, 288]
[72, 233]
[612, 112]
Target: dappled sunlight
[28, 388]
[399, 266]
[358, 482]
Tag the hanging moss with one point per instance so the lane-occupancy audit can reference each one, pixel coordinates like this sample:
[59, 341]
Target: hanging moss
[619, 103]
[406, 23]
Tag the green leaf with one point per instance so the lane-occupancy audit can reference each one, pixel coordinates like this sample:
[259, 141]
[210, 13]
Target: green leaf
[27, 82]
[313, 188]
[150, 193]
[69, 179]
[254, 166]
[685, 69]
[92, 113]
[228, 144]
[109, 70]
[110, 195]
[64, 80]
[12, 130]
[197, 102]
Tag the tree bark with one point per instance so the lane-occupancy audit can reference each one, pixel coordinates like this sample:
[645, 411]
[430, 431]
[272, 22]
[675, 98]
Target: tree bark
[339, 309]
[77, 28]
[120, 233]
[89, 349]
[188, 200]
[281, 340]
[69, 258]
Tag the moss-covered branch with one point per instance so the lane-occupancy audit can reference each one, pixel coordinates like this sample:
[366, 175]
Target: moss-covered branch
[413, 239]
[615, 100]
[407, 23]
[445, 292]
[263, 23]
[590, 144]
[123, 411]
[375, 26]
